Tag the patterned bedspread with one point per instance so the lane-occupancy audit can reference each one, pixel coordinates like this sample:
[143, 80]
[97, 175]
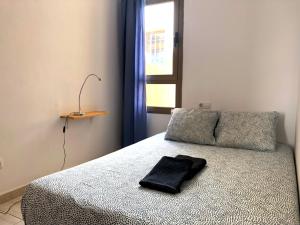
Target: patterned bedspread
[237, 187]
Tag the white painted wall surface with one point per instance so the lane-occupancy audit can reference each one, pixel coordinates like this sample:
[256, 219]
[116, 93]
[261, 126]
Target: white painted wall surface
[47, 47]
[241, 55]
[297, 151]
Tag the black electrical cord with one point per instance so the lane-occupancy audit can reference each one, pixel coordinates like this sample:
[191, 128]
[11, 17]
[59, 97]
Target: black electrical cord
[64, 142]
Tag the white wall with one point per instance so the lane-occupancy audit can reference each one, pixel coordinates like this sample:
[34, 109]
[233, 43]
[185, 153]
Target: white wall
[47, 47]
[241, 55]
[297, 150]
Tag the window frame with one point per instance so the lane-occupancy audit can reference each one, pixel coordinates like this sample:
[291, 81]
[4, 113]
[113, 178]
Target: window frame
[176, 77]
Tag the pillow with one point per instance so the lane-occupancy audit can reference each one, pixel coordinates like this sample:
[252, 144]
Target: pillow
[249, 130]
[193, 126]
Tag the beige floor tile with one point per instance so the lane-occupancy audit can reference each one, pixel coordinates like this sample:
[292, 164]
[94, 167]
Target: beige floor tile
[6, 219]
[4, 206]
[16, 211]
[21, 223]
[14, 216]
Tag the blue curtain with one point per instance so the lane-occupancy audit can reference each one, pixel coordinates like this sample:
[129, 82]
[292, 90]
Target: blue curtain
[134, 127]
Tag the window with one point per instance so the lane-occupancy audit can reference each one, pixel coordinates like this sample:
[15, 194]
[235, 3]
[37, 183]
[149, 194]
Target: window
[163, 54]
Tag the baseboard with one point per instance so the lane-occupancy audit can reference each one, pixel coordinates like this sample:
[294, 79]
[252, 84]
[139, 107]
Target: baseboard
[12, 194]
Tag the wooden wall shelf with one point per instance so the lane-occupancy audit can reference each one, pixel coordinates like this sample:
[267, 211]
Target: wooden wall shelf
[85, 116]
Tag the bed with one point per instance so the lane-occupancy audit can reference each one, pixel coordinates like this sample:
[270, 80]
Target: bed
[237, 186]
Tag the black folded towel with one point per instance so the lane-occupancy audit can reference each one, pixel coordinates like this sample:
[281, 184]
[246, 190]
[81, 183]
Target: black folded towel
[198, 164]
[167, 175]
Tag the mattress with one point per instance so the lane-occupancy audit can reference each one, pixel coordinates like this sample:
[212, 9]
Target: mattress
[237, 186]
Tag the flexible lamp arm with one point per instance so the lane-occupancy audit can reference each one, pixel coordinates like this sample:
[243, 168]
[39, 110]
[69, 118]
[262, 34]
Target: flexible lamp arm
[88, 76]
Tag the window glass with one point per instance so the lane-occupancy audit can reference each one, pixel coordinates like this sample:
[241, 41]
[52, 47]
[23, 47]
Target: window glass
[159, 34]
[161, 95]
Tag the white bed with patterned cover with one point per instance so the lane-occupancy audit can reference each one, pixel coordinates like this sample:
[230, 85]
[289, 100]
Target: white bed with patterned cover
[237, 186]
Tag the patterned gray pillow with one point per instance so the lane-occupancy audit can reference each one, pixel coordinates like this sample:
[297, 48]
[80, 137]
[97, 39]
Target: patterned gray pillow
[192, 126]
[249, 130]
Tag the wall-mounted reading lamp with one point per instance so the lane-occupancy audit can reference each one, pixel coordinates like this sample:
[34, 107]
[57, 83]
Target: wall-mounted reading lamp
[80, 113]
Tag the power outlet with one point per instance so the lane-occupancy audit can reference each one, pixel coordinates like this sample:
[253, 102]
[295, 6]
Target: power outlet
[1, 163]
[205, 105]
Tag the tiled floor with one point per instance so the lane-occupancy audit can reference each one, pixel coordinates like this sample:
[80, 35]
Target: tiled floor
[14, 216]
